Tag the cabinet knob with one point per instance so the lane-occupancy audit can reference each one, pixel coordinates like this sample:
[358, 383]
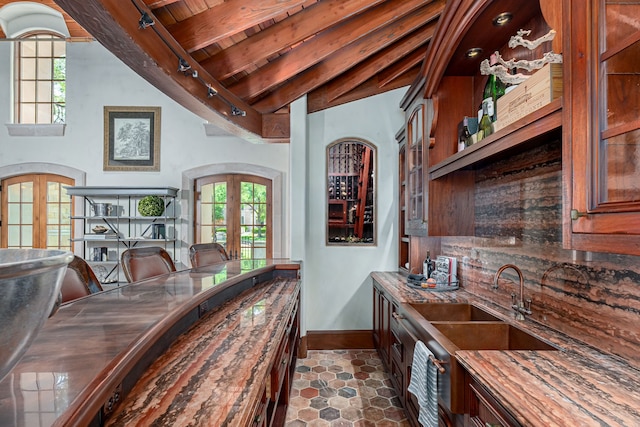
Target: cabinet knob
[575, 214]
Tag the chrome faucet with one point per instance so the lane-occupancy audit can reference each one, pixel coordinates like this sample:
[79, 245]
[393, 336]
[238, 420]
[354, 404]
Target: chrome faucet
[521, 306]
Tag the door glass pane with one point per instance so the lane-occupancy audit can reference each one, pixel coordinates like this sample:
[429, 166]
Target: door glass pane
[619, 26]
[26, 235]
[622, 177]
[220, 214]
[58, 217]
[622, 84]
[618, 165]
[13, 232]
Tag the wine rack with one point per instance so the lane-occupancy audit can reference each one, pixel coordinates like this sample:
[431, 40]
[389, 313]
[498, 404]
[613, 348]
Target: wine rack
[350, 191]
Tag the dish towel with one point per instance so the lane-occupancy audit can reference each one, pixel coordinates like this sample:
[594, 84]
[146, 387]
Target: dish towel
[424, 385]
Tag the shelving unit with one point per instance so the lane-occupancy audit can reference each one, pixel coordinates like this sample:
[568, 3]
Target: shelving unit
[126, 227]
[523, 131]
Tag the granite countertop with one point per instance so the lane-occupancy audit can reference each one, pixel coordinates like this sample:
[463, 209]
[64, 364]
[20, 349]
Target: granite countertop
[212, 374]
[577, 385]
[93, 344]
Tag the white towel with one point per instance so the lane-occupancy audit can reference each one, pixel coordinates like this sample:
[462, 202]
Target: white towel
[424, 385]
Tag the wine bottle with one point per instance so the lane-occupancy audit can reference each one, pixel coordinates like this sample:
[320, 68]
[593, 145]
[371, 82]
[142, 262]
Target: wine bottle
[485, 127]
[493, 89]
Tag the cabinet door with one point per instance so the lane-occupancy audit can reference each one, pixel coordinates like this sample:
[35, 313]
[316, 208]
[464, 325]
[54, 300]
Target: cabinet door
[415, 174]
[381, 326]
[604, 133]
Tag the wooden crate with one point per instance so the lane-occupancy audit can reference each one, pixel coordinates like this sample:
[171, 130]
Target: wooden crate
[541, 88]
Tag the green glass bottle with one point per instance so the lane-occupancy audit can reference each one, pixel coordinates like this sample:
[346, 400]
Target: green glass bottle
[485, 127]
[493, 89]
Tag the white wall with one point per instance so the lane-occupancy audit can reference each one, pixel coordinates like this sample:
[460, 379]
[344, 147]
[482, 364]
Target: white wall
[337, 291]
[337, 288]
[96, 78]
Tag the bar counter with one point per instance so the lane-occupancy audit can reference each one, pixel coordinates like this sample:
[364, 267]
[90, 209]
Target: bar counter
[95, 349]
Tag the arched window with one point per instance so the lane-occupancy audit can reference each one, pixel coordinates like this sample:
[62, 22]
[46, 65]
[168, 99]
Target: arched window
[351, 192]
[40, 79]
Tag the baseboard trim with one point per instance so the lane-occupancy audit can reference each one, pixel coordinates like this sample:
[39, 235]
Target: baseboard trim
[339, 340]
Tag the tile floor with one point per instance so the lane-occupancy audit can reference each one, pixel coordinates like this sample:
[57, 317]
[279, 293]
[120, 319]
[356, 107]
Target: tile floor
[342, 388]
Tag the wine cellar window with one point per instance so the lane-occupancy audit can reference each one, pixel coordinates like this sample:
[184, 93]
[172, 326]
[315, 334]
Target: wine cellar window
[350, 193]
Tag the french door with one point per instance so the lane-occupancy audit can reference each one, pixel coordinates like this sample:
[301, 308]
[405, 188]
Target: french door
[36, 212]
[235, 211]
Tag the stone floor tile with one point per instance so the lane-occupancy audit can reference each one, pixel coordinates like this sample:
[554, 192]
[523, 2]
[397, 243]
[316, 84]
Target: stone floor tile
[343, 388]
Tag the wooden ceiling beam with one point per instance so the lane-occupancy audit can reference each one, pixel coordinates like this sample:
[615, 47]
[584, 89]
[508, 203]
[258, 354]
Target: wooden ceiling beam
[155, 4]
[226, 19]
[275, 38]
[115, 25]
[381, 60]
[323, 46]
[399, 68]
[346, 57]
[317, 100]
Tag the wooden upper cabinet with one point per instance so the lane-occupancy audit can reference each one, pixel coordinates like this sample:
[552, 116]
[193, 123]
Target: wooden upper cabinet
[602, 127]
[416, 194]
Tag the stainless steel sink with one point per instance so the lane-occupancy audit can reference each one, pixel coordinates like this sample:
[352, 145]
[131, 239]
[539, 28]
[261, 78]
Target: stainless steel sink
[453, 312]
[490, 336]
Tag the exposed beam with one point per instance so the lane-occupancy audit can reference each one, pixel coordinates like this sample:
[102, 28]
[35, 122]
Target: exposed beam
[381, 60]
[396, 18]
[317, 101]
[227, 19]
[346, 57]
[114, 24]
[394, 71]
[154, 4]
[277, 37]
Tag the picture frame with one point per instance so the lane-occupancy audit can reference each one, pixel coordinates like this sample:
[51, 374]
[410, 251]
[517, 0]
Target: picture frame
[131, 139]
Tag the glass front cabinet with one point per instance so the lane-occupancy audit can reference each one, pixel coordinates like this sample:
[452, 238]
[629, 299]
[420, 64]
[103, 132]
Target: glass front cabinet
[602, 127]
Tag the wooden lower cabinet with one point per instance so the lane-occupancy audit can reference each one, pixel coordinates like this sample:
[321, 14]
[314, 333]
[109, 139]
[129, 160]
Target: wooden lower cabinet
[484, 409]
[278, 384]
[381, 331]
[395, 337]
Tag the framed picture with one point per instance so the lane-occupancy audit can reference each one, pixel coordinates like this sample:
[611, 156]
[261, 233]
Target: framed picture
[131, 138]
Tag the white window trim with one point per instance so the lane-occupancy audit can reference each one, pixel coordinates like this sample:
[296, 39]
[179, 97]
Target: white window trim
[41, 129]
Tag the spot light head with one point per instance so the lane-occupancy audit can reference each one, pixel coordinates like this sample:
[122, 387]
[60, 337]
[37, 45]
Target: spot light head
[472, 53]
[235, 111]
[211, 92]
[502, 19]
[145, 21]
[183, 66]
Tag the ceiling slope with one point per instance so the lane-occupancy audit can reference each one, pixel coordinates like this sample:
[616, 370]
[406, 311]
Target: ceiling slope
[258, 56]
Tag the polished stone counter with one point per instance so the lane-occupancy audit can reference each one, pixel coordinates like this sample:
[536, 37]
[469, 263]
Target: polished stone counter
[95, 345]
[577, 385]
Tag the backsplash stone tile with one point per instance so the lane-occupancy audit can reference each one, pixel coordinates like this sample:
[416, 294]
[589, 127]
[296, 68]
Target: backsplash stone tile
[593, 297]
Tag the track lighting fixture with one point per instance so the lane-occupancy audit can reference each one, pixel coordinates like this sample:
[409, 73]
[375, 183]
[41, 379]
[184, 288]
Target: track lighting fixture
[235, 111]
[184, 67]
[145, 21]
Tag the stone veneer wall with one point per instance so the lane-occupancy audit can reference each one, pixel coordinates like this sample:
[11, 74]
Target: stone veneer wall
[593, 297]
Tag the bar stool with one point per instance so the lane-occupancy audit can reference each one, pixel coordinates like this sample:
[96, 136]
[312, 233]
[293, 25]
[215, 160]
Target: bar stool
[207, 253]
[142, 263]
[79, 280]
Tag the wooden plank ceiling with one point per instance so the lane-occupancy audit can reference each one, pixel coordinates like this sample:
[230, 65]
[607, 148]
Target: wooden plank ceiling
[260, 55]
